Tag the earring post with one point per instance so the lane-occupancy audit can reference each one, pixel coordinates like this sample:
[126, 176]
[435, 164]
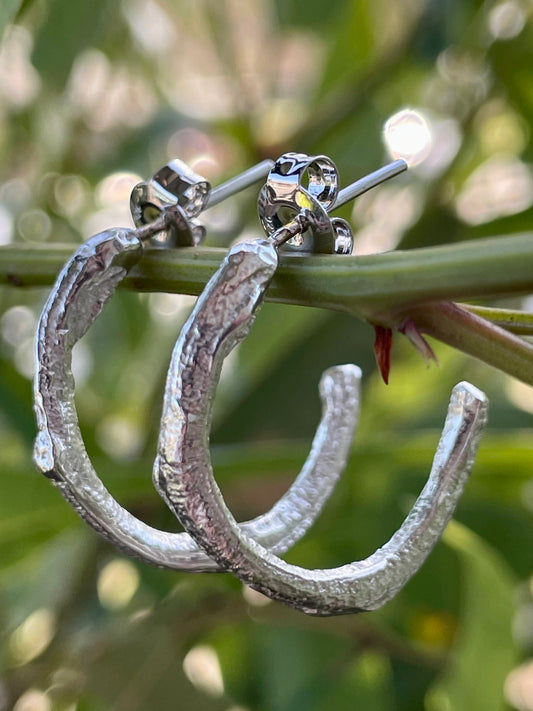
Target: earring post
[302, 221]
[367, 182]
[239, 182]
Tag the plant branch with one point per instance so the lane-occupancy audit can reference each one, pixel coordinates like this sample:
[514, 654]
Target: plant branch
[474, 335]
[363, 286]
[519, 322]
[384, 289]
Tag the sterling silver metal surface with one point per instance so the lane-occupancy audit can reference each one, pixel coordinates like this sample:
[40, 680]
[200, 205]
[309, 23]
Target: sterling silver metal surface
[175, 184]
[368, 182]
[283, 197]
[239, 182]
[184, 476]
[85, 284]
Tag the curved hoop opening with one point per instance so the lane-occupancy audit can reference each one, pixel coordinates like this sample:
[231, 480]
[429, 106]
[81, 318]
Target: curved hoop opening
[85, 284]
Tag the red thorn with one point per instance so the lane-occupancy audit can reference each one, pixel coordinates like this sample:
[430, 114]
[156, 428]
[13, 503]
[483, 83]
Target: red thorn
[410, 330]
[382, 350]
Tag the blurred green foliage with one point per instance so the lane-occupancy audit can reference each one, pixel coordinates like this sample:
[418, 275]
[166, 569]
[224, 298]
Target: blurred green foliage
[92, 93]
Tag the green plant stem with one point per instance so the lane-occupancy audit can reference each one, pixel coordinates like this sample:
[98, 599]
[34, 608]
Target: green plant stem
[518, 322]
[386, 289]
[364, 285]
[474, 335]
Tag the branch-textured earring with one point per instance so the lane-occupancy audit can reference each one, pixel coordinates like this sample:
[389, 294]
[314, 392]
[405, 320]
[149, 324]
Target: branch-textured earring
[85, 284]
[183, 473]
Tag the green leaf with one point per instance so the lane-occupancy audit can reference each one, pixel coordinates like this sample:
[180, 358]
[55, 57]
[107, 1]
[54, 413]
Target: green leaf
[484, 651]
[8, 11]
[364, 683]
[297, 667]
[69, 28]
[306, 13]
[353, 44]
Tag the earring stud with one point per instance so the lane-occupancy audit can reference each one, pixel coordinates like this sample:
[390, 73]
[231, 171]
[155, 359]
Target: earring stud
[297, 215]
[176, 185]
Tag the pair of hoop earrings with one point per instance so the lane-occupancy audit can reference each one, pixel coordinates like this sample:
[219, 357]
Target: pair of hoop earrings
[295, 217]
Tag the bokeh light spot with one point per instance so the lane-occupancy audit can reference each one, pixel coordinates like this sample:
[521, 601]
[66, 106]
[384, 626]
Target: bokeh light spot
[32, 637]
[503, 185]
[202, 668]
[506, 20]
[518, 688]
[71, 193]
[33, 700]
[6, 225]
[520, 394]
[19, 81]
[407, 136]
[436, 629]
[119, 437]
[17, 324]
[255, 598]
[116, 188]
[34, 226]
[117, 584]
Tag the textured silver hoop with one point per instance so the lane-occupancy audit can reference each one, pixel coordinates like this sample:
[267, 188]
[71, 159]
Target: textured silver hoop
[85, 284]
[183, 472]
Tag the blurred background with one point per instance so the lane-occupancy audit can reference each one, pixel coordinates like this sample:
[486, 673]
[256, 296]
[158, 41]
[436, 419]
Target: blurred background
[96, 95]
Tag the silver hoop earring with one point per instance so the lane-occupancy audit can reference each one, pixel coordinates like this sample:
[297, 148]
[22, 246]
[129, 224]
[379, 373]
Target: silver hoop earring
[85, 284]
[183, 472]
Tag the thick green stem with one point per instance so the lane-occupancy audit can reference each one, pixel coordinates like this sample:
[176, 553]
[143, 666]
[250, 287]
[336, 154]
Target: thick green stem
[364, 286]
[387, 289]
